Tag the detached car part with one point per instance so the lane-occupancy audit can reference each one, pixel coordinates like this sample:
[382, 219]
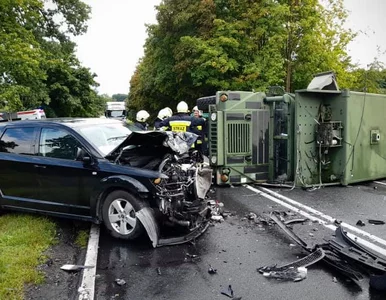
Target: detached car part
[306, 261]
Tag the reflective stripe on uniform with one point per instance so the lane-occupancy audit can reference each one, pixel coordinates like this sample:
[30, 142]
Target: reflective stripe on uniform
[179, 125]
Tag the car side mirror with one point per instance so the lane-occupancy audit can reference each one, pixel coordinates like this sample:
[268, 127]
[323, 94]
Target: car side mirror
[82, 155]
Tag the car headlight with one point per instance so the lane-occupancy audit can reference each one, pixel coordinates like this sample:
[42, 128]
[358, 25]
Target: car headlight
[213, 159]
[213, 117]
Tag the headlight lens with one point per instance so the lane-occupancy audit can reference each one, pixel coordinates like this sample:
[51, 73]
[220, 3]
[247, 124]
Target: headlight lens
[213, 117]
[213, 159]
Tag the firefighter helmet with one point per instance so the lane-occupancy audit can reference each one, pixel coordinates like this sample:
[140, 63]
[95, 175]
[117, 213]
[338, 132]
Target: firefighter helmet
[182, 107]
[142, 116]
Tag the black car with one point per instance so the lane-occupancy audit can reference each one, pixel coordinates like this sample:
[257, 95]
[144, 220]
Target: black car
[98, 170]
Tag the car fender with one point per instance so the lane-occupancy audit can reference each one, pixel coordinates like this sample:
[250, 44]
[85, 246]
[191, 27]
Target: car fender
[115, 182]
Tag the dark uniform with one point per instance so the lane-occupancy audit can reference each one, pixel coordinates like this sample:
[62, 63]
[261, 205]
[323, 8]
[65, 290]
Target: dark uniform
[157, 124]
[141, 125]
[200, 130]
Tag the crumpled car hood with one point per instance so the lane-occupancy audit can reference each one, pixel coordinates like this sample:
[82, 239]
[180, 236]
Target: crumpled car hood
[179, 142]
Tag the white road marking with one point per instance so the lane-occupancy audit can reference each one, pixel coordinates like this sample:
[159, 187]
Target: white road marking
[87, 287]
[326, 217]
[323, 222]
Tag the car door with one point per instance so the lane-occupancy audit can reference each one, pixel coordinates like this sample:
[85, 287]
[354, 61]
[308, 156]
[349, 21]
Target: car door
[65, 183]
[18, 180]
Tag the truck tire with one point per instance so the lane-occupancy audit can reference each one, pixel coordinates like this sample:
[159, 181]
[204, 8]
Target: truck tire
[204, 102]
[119, 217]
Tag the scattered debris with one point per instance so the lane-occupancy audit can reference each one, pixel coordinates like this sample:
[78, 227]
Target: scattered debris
[306, 261]
[342, 235]
[159, 271]
[293, 221]
[334, 280]
[192, 256]
[211, 270]
[289, 232]
[376, 222]
[217, 218]
[75, 268]
[295, 274]
[252, 216]
[228, 292]
[120, 282]
[311, 234]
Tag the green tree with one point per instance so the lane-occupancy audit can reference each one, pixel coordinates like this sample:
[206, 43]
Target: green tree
[119, 97]
[37, 61]
[200, 46]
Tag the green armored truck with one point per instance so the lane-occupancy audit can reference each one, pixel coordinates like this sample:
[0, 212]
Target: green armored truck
[315, 137]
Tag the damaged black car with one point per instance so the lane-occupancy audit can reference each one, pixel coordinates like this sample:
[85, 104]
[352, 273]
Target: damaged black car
[98, 170]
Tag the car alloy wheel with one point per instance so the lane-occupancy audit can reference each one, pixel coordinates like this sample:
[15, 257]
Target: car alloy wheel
[121, 216]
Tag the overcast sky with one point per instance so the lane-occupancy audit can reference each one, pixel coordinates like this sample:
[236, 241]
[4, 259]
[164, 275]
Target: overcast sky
[116, 33]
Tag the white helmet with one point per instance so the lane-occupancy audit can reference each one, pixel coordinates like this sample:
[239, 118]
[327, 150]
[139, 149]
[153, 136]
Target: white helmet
[182, 107]
[142, 116]
[169, 111]
[195, 108]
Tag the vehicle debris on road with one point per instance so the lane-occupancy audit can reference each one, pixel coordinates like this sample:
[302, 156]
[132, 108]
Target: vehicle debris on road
[376, 222]
[120, 282]
[360, 223]
[211, 270]
[341, 253]
[295, 274]
[75, 268]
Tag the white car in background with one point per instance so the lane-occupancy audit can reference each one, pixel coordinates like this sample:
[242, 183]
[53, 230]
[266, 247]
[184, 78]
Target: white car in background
[34, 114]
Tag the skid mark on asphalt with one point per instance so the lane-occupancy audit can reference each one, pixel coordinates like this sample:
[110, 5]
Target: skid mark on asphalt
[315, 215]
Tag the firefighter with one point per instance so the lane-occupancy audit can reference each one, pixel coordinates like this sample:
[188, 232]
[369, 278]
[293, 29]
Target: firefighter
[199, 129]
[141, 118]
[162, 115]
[181, 121]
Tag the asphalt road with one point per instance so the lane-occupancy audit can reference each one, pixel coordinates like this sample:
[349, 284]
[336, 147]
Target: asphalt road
[236, 248]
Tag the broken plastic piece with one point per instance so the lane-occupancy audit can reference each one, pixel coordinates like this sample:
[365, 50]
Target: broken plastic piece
[120, 282]
[228, 292]
[360, 223]
[211, 270]
[293, 221]
[376, 222]
[306, 261]
[159, 271]
[146, 217]
[342, 235]
[75, 267]
[358, 256]
[295, 274]
[289, 232]
[217, 218]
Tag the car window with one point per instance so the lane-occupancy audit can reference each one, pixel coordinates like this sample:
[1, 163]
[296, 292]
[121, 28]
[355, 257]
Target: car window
[18, 140]
[106, 137]
[57, 143]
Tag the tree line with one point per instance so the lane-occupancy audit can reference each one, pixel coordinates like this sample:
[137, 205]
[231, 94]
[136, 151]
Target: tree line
[38, 65]
[200, 46]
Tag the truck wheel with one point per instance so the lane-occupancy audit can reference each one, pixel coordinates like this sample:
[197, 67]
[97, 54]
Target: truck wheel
[204, 102]
[118, 213]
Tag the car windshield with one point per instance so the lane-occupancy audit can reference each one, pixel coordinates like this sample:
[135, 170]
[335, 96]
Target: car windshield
[105, 137]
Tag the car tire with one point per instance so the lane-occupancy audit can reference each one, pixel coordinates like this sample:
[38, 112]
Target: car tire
[203, 103]
[118, 212]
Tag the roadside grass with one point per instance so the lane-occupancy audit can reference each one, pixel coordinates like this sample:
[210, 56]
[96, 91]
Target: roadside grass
[23, 240]
[82, 238]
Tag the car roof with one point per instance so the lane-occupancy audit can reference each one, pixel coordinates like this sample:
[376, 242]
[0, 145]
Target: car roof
[69, 122]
